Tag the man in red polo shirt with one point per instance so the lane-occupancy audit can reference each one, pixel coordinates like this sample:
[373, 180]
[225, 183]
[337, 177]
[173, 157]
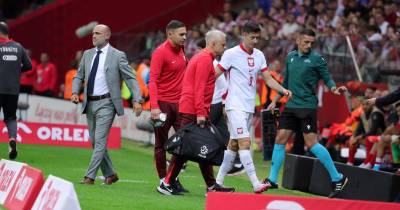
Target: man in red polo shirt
[46, 77]
[168, 64]
[194, 106]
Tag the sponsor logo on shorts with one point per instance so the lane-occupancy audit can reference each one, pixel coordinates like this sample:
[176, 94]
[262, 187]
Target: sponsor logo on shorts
[239, 130]
[308, 127]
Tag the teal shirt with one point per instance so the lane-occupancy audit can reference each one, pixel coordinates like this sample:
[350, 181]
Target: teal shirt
[303, 71]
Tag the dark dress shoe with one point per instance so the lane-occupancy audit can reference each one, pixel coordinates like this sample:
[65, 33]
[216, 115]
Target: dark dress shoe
[87, 180]
[111, 179]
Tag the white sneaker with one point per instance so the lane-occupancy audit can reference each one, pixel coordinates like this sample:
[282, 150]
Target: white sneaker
[367, 166]
[261, 187]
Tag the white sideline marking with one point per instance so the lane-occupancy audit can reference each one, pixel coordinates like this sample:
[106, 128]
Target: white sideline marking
[124, 180]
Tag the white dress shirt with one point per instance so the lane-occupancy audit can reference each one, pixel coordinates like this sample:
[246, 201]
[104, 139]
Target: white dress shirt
[100, 85]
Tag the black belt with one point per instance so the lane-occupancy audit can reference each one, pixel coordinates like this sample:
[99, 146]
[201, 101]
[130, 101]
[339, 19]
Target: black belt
[96, 98]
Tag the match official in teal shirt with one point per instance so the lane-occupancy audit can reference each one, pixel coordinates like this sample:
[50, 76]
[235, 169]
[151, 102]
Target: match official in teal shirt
[304, 68]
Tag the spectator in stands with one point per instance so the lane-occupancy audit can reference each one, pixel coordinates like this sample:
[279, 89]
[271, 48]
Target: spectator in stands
[289, 27]
[389, 139]
[13, 60]
[142, 72]
[374, 33]
[381, 22]
[243, 17]
[301, 17]
[69, 76]
[228, 23]
[102, 98]
[46, 77]
[60, 92]
[28, 78]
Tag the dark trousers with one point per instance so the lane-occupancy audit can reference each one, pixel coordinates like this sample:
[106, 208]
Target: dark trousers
[47, 93]
[26, 89]
[161, 135]
[175, 168]
[217, 118]
[8, 104]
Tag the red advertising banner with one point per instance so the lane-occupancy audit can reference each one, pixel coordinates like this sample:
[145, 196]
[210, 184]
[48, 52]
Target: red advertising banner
[240, 201]
[25, 190]
[58, 135]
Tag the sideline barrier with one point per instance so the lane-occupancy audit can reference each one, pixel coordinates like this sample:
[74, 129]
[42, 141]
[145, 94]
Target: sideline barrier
[364, 184]
[25, 190]
[309, 175]
[240, 201]
[9, 171]
[57, 194]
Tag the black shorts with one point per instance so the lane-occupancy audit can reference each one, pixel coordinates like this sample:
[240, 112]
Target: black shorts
[295, 119]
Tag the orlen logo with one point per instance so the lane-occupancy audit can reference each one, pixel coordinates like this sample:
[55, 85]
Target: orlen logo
[20, 126]
[283, 205]
[63, 134]
[9, 57]
[49, 198]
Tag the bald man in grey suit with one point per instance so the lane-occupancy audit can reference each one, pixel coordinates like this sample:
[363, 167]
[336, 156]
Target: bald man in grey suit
[102, 69]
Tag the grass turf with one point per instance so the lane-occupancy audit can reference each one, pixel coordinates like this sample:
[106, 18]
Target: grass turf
[138, 180]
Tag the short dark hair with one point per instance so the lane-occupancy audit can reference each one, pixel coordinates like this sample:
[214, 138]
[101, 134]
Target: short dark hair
[174, 24]
[4, 28]
[372, 88]
[251, 27]
[307, 32]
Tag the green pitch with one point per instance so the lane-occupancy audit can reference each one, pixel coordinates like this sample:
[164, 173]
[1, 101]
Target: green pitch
[138, 181]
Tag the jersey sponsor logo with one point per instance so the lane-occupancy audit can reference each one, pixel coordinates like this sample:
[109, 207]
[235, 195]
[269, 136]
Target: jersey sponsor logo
[239, 130]
[10, 57]
[250, 61]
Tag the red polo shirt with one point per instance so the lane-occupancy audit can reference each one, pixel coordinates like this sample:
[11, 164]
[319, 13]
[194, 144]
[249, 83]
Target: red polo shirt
[46, 77]
[28, 78]
[198, 85]
[167, 67]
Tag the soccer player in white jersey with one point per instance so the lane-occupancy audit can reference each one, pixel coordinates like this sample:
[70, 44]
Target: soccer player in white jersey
[243, 63]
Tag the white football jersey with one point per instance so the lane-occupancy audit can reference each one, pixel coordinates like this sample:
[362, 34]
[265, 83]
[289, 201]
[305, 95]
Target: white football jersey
[242, 68]
[221, 86]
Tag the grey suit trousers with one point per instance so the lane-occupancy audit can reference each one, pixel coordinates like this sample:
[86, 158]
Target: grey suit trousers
[100, 116]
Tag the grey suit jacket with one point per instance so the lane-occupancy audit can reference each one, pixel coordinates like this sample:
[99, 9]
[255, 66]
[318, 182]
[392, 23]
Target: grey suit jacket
[116, 68]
